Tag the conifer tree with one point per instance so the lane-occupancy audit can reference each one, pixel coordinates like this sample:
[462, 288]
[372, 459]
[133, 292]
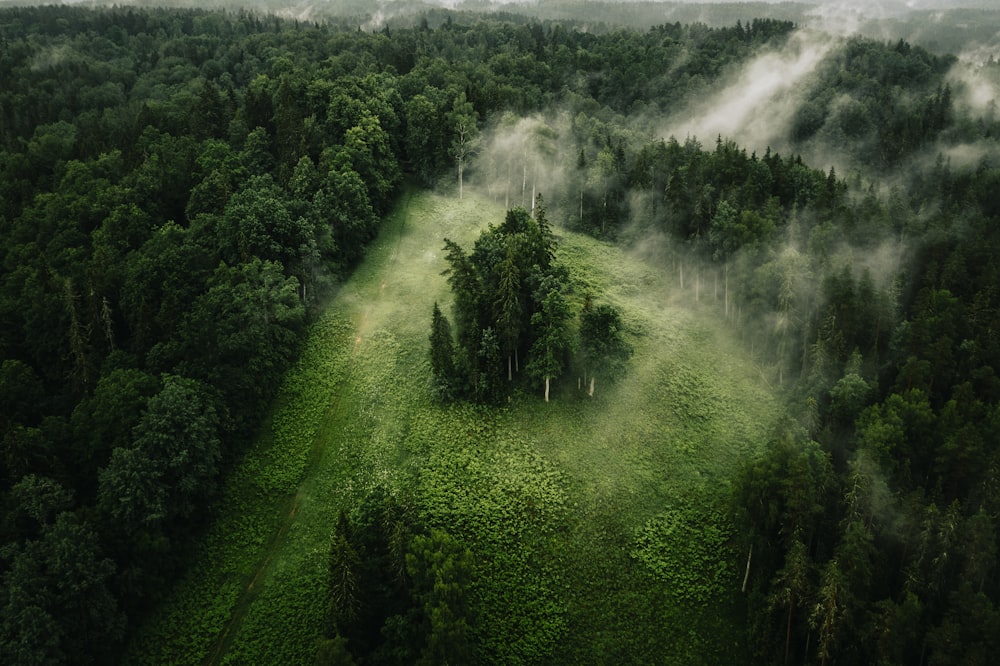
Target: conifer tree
[442, 353]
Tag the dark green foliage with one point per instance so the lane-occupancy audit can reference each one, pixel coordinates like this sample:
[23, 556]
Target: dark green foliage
[500, 292]
[171, 211]
[900, 390]
[552, 342]
[57, 606]
[396, 595]
[601, 342]
[441, 571]
[489, 370]
[442, 354]
[344, 570]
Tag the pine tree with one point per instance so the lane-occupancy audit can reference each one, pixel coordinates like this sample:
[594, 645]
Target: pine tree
[552, 339]
[442, 354]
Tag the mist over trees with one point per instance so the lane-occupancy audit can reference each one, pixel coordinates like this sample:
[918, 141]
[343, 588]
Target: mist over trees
[182, 190]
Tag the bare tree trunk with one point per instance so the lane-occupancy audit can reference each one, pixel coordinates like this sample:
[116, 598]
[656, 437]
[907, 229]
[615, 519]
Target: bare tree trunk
[788, 630]
[517, 360]
[746, 576]
[590, 392]
[106, 318]
[546, 389]
[524, 175]
[727, 290]
[77, 335]
[510, 375]
[506, 192]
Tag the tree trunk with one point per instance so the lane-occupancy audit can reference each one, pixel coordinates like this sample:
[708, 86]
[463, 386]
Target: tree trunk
[461, 168]
[746, 576]
[546, 389]
[506, 192]
[524, 175]
[788, 630]
[510, 375]
[590, 391]
[727, 290]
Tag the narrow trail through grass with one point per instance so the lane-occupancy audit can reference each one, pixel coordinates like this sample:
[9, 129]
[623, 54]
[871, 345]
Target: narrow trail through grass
[229, 632]
[598, 525]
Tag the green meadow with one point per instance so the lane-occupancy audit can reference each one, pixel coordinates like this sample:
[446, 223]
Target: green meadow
[599, 527]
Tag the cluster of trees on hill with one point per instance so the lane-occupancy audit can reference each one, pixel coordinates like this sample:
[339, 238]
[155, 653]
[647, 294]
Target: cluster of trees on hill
[511, 309]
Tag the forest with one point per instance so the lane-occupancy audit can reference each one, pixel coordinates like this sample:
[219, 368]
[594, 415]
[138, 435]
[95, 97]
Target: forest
[183, 193]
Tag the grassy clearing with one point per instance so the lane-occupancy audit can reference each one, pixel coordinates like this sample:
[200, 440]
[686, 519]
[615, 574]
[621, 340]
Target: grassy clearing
[597, 526]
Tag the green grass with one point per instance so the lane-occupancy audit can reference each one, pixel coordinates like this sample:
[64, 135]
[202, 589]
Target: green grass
[598, 526]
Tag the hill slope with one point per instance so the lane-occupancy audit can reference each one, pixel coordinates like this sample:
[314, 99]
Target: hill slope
[598, 527]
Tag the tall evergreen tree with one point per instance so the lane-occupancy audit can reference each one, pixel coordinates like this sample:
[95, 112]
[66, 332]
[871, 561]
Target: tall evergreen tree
[442, 354]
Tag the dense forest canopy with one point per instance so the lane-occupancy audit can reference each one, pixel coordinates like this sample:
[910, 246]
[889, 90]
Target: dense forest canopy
[181, 190]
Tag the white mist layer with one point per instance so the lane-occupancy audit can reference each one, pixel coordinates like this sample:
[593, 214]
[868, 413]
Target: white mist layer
[756, 109]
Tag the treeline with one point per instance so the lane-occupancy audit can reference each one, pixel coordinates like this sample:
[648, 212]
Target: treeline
[173, 208]
[873, 516]
[513, 313]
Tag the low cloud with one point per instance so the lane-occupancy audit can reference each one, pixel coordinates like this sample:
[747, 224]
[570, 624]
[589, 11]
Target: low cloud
[755, 109]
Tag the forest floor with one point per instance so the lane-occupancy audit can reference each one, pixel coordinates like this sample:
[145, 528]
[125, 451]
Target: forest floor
[599, 526]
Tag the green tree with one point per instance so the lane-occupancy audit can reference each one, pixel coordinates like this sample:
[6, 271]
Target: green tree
[441, 570]
[240, 334]
[423, 137]
[507, 307]
[465, 136]
[334, 652]
[792, 585]
[552, 339]
[343, 574]
[604, 347]
[465, 285]
[442, 354]
[172, 464]
[55, 601]
[489, 377]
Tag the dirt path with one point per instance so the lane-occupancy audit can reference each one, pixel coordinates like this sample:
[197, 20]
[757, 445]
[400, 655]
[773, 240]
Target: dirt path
[228, 633]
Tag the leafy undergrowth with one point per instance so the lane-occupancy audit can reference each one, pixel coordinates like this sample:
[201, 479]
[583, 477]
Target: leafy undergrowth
[258, 494]
[596, 525]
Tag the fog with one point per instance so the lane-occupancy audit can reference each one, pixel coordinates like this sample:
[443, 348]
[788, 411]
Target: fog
[756, 105]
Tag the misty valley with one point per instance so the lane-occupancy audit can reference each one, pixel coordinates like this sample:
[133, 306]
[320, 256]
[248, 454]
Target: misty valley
[500, 333]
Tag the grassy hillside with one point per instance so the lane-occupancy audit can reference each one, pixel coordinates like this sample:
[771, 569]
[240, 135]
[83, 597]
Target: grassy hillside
[598, 526]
